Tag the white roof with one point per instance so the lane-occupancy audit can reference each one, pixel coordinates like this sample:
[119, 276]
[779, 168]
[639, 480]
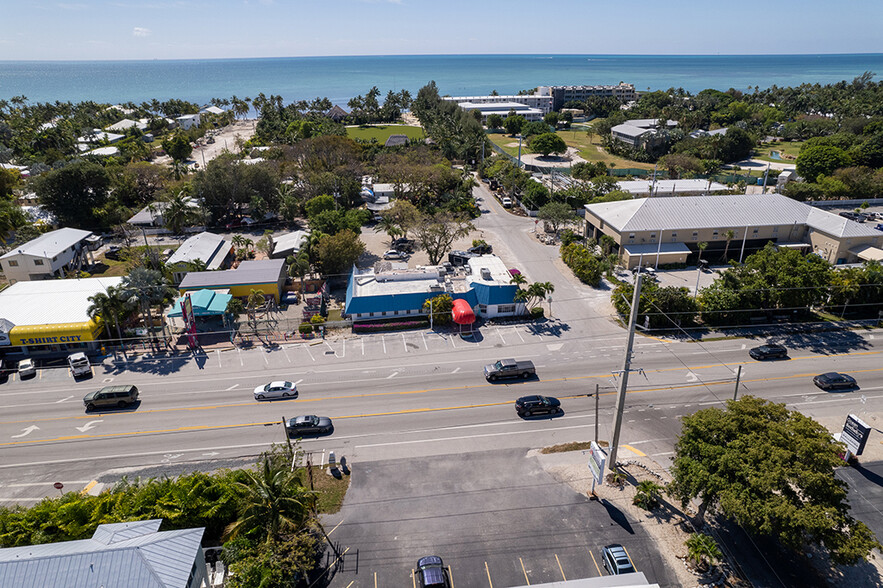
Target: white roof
[630, 131]
[105, 151]
[122, 125]
[868, 252]
[213, 110]
[290, 241]
[649, 123]
[100, 136]
[50, 244]
[122, 554]
[665, 187]
[499, 272]
[714, 212]
[208, 247]
[48, 302]
[187, 117]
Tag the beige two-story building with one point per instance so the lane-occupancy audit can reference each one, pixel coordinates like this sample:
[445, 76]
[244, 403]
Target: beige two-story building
[660, 231]
[49, 256]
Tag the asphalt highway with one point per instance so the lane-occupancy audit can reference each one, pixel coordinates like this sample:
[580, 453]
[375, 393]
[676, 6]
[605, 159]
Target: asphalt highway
[399, 396]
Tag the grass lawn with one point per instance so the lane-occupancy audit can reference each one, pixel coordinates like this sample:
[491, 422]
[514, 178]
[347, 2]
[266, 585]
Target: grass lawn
[382, 132]
[576, 138]
[785, 149]
[331, 490]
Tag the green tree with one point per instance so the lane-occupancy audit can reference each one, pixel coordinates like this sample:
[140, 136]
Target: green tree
[177, 146]
[557, 214]
[819, 160]
[74, 193]
[728, 235]
[771, 470]
[585, 266]
[647, 495]
[548, 143]
[437, 232]
[703, 550]
[146, 287]
[110, 307]
[338, 253]
[514, 123]
[667, 308]
[319, 204]
[494, 121]
[441, 307]
[178, 213]
[552, 119]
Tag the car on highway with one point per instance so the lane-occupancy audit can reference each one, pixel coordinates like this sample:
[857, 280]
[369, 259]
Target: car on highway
[278, 389]
[768, 351]
[509, 368]
[432, 573]
[394, 254]
[119, 396]
[834, 381]
[27, 367]
[533, 405]
[616, 560]
[309, 425]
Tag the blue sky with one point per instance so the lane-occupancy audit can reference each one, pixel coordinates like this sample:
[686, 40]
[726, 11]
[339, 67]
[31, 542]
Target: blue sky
[188, 29]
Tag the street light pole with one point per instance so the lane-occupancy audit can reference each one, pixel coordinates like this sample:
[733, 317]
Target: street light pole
[623, 383]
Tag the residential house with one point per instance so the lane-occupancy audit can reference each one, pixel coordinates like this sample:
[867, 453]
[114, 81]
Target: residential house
[642, 133]
[136, 553]
[187, 121]
[212, 250]
[289, 244]
[48, 256]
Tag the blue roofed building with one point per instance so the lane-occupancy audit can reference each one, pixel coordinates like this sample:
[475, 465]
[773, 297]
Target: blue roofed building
[136, 553]
[390, 290]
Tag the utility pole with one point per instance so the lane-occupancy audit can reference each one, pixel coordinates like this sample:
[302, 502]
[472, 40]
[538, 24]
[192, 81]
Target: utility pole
[627, 362]
[738, 377]
[597, 388]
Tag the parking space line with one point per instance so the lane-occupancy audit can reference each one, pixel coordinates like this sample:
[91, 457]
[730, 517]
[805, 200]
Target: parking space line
[451, 339]
[425, 346]
[350, 584]
[526, 579]
[489, 581]
[285, 353]
[362, 339]
[404, 343]
[519, 334]
[218, 352]
[634, 567]
[560, 568]
[503, 339]
[241, 363]
[375, 579]
[595, 562]
[265, 354]
[383, 340]
[310, 353]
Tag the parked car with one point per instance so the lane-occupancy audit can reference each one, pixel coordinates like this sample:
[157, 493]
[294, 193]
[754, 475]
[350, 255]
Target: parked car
[79, 364]
[432, 573]
[509, 368]
[768, 351]
[393, 254]
[507, 202]
[834, 381]
[309, 425]
[278, 389]
[113, 252]
[483, 249]
[532, 405]
[616, 560]
[119, 396]
[26, 367]
[403, 244]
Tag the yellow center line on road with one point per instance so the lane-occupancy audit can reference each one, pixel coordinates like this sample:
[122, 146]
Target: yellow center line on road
[638, 452]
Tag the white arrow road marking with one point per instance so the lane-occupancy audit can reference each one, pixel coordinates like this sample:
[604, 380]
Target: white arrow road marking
[27, 431]
[211, 454]
[554, 346]
[392, 375]
[233, 386]
[88, 426]
[63, 399]
[168, 457]
[744, 346]
[691, 377]
[299, 381]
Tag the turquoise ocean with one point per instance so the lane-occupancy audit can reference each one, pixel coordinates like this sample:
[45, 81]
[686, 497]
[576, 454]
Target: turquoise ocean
[340, 78]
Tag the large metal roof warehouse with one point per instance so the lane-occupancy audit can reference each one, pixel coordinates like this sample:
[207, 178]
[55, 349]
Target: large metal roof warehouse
[51, 315]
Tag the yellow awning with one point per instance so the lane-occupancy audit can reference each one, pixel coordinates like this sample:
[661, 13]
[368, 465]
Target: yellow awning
[55, 334]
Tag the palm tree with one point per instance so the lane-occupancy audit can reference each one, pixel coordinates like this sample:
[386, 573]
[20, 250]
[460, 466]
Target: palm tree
[178, 213]
[388, 226]
[702, 549]
[272, 502]
[518, 279]
[146, 287]
[701, 247]
[729, 235]
[101, 308]
[256, 299]
[300, 268]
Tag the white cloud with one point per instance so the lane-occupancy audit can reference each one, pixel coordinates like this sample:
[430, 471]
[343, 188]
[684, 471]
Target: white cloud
[140, 32]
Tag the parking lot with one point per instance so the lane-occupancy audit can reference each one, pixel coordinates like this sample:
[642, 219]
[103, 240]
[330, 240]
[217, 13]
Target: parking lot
[496, 518]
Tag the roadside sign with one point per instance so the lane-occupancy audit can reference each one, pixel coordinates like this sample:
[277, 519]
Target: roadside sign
[58, 485]
[855, 434]
[597, 461]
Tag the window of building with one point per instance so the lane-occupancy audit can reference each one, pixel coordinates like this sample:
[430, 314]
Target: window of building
[395, 313]
[370, 314]
[55, 258]
[13, 263]
[482, 308]
[652, 236]
[754, 232]
[631, 235]
[38, 262]
[383, 313]
[506, 308]
[714, 235]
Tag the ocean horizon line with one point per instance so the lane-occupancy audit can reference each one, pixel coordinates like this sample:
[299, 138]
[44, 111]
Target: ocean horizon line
[441, 55]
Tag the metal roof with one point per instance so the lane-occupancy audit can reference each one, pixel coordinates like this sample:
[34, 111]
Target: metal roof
[715, 212]
[289, 241]
[630, 131]
[48, 302]
[263, 271]
[208, 247]
[137, 555]
[50, 244]
[666, 187]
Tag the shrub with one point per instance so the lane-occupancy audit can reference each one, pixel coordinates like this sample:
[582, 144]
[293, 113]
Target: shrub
[583, 263]
[317, 319]
[305, 328]
[390, 326]
[537, 312]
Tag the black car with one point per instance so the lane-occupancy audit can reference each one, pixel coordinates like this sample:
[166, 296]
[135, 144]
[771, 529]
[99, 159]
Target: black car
[431, 572]
[530, 405]
[482, 249]
[113, 252]
[403, 244]
[309, 425]
[616, 560]
[834, 381]
[768, 351]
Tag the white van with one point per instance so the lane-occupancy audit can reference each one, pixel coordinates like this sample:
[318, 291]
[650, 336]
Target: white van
[507, 202]
[79, 364]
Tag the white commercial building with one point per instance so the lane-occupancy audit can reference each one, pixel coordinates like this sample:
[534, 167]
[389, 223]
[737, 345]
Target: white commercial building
[48, 256]
[504, 109]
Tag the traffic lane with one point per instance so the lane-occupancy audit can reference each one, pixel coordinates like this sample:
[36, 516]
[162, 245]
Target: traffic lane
[480, 512]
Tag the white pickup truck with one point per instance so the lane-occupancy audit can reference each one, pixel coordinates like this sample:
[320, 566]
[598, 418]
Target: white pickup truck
[79, 364]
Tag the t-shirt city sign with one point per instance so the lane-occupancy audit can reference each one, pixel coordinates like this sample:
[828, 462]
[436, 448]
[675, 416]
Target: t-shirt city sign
[46, 340]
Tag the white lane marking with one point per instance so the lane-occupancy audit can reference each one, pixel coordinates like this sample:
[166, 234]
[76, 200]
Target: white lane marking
[554, 346]
[383, 340]
[218, 351]
[744, 346]
[26, 431]
[451, 339]
[464, 437]
[89, 426]
[518, 333]
[404, 343]
[392, 375]
[647, 441]
[362, 339]
[265, 354]
[691, 377]
[455, 371]
[299, 381]
[425, 346]
[343, 351]
[231, 387]
[503, 339]
[63, 399]
[241, 363]
[32, 484]
[307, 347]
